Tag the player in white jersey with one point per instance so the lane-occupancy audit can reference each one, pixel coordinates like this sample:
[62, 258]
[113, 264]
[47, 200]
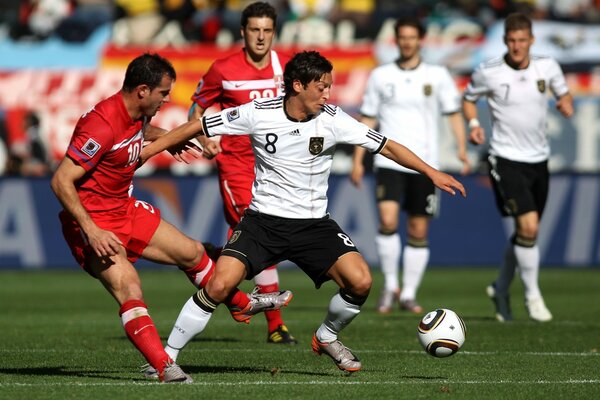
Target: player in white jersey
[406, 98]
[516, 88]
[294, 138]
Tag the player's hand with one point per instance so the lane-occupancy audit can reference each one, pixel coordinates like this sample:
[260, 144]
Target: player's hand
[186, 152]
[565, 106]
[466, 169]
[477, 135]
[447, 183]
[104, 243]
[356, 175]
[210, 149]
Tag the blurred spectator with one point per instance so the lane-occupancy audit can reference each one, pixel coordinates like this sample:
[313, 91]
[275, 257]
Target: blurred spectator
[352, 19]
[308, 24]
[39, 18]
[137, 21]
[27, 155]
[87, 16]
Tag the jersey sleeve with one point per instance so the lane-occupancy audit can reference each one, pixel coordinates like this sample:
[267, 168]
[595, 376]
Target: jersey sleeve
[477, 87]
[556, 78]
[370, 101]
[91, 138]
[350, 131]
[230, 121]
[209, 88]
[448, 94]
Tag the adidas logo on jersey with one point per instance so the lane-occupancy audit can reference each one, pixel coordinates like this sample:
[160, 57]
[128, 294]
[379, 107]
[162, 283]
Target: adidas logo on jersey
[295, 132]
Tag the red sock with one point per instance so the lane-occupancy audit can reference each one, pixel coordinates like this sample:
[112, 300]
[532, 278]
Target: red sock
[237, 300]
[142, 333]
[200, 273]
[274, 316]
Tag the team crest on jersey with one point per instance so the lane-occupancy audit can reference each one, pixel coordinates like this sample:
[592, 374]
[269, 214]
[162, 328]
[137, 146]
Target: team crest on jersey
[315, 146]
[234, 236]
[541, 84]
[90, 147]
[427, 89]
[233, 114]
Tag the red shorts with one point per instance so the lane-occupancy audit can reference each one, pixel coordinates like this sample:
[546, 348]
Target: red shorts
[134, 228]
[236, 192]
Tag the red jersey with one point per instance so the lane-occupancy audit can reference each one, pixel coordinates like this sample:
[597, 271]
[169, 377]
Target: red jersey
[233, 81]
[107, 143]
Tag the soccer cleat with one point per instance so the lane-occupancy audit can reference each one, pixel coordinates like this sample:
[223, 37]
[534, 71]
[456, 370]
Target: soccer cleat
[501, 302]
[387, 300]
[411, 305]
[174, 374]
[537, 310]
[340, 354]
[149, 371]
[281, 335]
[260, 302]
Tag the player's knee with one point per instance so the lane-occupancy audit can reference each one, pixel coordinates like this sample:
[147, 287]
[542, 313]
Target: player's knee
[524, 241]
[361, 286]
[190, 253]
[419, 242]
[218, 289]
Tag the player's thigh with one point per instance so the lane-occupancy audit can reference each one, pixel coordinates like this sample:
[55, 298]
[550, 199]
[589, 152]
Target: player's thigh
[351, 272]
[118, 276]
[169, 245]
[527, 225]
[512, 186]
[421, 196]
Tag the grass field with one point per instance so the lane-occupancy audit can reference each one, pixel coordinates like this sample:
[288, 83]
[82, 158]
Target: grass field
[61, 338]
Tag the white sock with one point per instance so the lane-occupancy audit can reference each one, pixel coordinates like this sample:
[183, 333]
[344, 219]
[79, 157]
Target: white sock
[267, 277]
[413, 267]
[191, 321]
[340, 314]
[388, 249]
[507, 270]
[528, 259]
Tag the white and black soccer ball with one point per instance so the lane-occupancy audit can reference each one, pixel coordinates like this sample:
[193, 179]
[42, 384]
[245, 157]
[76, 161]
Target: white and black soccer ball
[442, 332]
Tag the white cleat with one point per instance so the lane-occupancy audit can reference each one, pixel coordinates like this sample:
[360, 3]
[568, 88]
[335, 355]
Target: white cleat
[537, 310]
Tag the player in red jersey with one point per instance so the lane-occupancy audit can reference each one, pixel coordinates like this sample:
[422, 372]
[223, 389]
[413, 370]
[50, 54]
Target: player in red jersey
[107, 229]
[254, 72]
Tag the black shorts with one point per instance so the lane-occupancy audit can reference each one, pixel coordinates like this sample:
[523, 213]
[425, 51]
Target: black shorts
[416, 193]
[262, 240]
[519, 187]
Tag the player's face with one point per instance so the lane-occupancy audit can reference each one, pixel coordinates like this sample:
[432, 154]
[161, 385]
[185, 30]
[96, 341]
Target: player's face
[153, 99]
[408, 42]
[258, 36]
[316, 93]
[518, 43]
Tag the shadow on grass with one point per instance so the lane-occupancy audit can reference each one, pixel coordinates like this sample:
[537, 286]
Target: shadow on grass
[61, 371]
[198, 369]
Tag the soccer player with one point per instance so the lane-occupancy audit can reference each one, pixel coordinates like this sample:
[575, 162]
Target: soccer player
[253, 72]
[294, 138]
[107, 229]
[406, 98]
[516, 88]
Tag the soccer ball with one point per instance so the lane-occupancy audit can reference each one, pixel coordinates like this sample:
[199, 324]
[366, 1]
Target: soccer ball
[442, 332]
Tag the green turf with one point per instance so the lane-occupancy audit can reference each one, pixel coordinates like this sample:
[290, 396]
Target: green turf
[61, 338]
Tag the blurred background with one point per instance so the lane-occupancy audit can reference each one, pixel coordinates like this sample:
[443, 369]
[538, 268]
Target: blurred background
[60, 57]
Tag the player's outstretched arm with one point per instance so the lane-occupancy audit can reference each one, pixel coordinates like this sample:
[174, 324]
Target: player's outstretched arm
[403, 156]
[177, 136]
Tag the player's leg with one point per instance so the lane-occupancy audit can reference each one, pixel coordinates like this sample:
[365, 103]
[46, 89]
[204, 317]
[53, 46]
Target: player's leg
[414, 262]
[237, 195]
[197, 311]
[527, 254]
[122, 281]
[387, 241]
[170, 246]
[352, 275]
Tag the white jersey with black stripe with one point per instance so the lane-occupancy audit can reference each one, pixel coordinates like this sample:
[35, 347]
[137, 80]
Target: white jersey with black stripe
[408, 103]
[518, 102]
[293, 159]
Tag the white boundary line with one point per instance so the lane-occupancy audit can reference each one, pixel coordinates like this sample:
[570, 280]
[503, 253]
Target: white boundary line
[324, 383]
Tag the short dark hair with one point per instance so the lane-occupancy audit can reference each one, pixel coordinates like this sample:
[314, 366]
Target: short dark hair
[306, 67]
[517, 22]
[257, 10]
[410, 21]
[147, 69]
